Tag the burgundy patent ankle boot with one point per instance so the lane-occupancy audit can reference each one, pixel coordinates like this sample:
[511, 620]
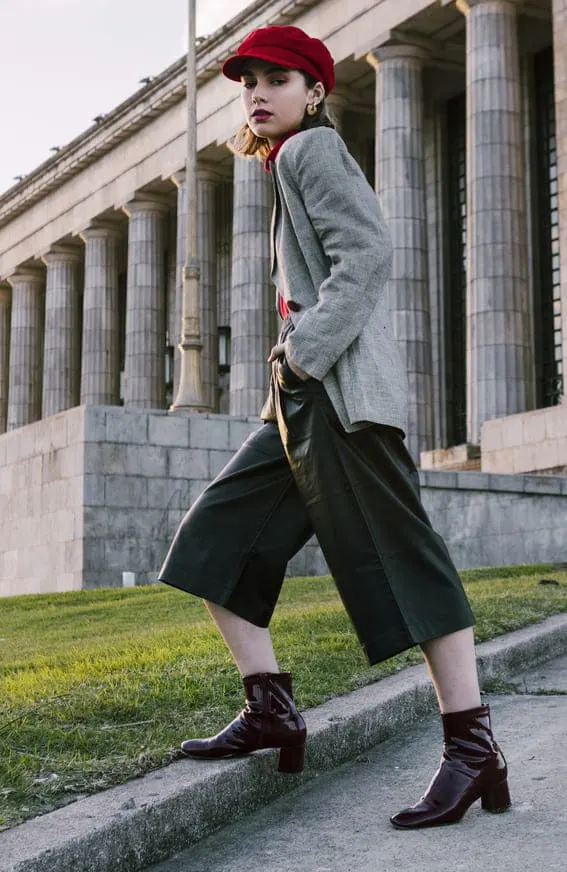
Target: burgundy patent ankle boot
[270, 719]
[472, 767]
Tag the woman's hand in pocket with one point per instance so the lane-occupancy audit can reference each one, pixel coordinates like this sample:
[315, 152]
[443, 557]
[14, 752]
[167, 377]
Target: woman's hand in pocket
[279, 351]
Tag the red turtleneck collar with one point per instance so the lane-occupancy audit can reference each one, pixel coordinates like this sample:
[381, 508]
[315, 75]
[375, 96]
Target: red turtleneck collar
[275, 150]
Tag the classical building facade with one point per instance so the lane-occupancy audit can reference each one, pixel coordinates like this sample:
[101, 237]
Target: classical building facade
[457, 114]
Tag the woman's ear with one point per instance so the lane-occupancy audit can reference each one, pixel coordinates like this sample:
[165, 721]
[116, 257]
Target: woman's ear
[318, 92]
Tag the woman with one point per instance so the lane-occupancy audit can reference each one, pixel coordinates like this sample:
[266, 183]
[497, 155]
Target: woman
[330, 457]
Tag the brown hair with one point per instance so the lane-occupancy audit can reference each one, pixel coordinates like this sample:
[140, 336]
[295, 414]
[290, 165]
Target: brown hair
[245, 143]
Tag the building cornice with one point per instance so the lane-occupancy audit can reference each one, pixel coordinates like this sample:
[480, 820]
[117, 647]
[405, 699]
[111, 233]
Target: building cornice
[139, 110]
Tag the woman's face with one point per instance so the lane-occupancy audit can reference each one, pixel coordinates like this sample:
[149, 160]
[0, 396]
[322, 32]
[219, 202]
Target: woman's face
[275, 99]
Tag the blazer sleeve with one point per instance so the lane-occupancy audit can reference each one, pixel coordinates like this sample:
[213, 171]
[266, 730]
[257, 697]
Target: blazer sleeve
[346, 215]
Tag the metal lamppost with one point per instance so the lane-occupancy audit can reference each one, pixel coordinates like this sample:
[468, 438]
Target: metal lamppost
[190, 392]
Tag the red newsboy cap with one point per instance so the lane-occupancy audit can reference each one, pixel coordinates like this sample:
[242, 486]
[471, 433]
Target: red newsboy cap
[286, 46]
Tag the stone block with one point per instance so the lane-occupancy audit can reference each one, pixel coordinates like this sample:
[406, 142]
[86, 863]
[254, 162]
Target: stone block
[72, 459]
[122, 555]
[95, 423]
[491, 438]
[93, 554]
[114, 458]
[6, 479]
[512, 431]
[190, 463]
[501, 461]
[126, 426]
[169, 430]
[217, 462]
[55, 495]
[48, 434]
[238, 432]
[556, 422]
[524, 458]
[504, 483]
[12, 445]
[169, 493]
[209, 432]
[128, 491]
[534, 427]
[473, 480]
[99, 578]
[437, 479]
[541, 484]
[75, 420]
[546, 454]
[65, 581]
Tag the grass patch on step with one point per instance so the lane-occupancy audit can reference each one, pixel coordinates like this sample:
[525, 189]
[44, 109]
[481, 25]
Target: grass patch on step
[98, 687]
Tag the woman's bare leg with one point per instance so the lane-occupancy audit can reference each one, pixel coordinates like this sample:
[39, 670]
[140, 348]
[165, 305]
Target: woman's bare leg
[452, 665]
[250, 646]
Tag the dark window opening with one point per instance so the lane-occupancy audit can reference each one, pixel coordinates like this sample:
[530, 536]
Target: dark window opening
[456, 275]
[547, 290]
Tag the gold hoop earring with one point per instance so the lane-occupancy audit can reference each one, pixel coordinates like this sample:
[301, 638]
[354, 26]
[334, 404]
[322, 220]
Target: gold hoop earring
[312, 109]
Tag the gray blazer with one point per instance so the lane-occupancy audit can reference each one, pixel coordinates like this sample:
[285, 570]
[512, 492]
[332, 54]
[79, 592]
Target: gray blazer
[332, 254]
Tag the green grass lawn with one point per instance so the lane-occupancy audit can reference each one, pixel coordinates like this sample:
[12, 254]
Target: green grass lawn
[97, 687]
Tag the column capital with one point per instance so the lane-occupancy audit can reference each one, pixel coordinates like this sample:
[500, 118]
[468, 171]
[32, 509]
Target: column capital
[397, 44]
[62, 254]
[101, 230]
[155, 203]
[465, 6]
[178, 178]
[208, 172]
[31, 274]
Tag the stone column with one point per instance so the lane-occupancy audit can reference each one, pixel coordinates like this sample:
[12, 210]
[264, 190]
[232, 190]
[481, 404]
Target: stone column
[100, 374]
[253, 313]
[499, 352]
[26, 347]
[61, 356]
[4, 353]
[144, 375]
[400, 182]
[179, 180]
[208, 183]
[560, 69]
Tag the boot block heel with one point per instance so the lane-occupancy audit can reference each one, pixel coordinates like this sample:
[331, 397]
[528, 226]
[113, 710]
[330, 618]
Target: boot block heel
[291, 760]
[497, 799]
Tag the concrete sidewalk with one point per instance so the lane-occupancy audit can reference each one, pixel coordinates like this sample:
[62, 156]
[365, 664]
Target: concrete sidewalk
[339, 821]
[129, 827]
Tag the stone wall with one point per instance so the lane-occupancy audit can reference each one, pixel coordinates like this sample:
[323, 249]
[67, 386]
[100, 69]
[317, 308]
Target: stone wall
[498, 520]
[98, 491]
[41, 505]
[530, 442]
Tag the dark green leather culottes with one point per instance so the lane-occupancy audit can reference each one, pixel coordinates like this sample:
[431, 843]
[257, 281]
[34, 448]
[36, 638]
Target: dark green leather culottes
[302, 473]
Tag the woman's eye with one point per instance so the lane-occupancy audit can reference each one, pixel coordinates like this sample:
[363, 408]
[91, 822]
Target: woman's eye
[249, 84]
[278, 81]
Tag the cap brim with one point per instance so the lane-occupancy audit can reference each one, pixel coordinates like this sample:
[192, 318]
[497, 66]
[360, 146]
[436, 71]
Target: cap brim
[233, 66]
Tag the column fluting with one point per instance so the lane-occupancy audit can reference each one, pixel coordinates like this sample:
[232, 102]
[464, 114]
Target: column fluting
[100, 371]
[499, 346]
[253, 314]
[62, 356]
[26, 347]
[144, 375]
[400, 183]
[208, 180]
[5, 299]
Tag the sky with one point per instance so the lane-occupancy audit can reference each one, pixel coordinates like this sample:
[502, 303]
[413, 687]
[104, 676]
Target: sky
[62, 62]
